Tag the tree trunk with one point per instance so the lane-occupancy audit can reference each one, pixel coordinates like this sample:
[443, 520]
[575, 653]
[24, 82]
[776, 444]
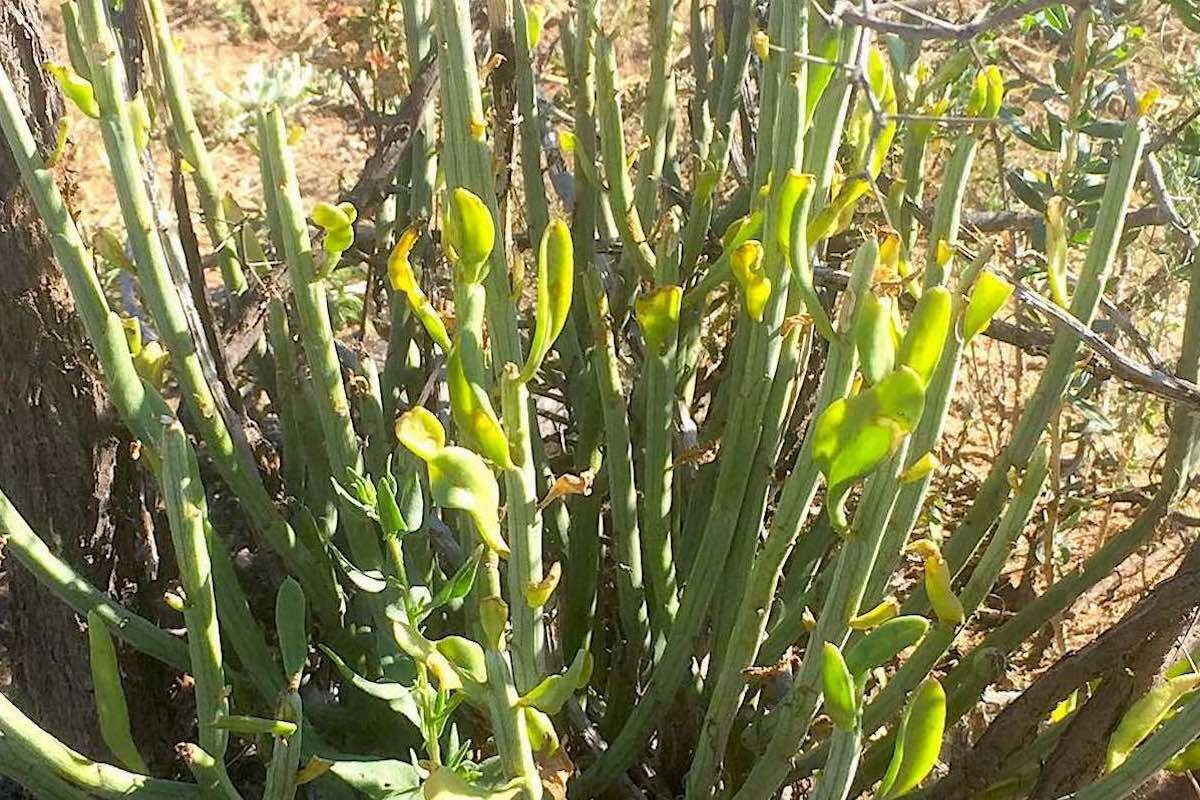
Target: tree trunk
[65, 461]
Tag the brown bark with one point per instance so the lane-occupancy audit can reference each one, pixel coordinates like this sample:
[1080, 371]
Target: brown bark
[65, 461]
[1130, 653]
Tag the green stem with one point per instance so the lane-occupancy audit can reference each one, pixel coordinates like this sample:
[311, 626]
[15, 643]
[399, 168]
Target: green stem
[537, 209]
[1147, 759]
[524, 534]
[48, 754]
[1060, 365]
[167, 309]
[657, 479]
[618, 461]
[74, 590]
[798, 493]
[612, 146]
[209, 773]
[184, 498]
[191, 146]
[316, 331]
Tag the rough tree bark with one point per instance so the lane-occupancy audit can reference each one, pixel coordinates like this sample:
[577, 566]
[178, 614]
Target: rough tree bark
[65, 461]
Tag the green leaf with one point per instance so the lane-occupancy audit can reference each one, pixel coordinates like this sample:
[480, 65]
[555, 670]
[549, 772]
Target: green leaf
[873, 338]
[658, 316]
[291, 627]
[112, 708]
[329, 217]
[470, 233]
[477, 422]
[853, 436]
[400, 698]
[556, 277]
[819, 74]
[255, 726]
[838, 688]
[370, 581]
[795, 186]
[918, 741]
[553, 692]
[75, 88]
[921, 348]
[379, 778]
[445, 784]
[459, 479]
[465, 654]
[459, 585]
[746, 264]
[884, 643]
[421, 432]
[988, 296]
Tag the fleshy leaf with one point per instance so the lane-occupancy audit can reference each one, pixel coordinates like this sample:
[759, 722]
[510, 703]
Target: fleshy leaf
[658, 316]
[988, 296]
[459, 479]
[556, 277]
[746, 264]
[421, 432]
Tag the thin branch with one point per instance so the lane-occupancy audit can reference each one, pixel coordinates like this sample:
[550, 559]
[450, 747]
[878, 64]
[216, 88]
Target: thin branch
[942, 29]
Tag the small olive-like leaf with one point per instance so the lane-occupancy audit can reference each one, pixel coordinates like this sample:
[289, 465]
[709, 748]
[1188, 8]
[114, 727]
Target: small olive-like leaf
[329, 217]
[918, 741]
[553, 692]
[538, 593]
[838, 688]
[493, 619]
[919, 468]
[873, 337]
[473, 413]
[291, 627]
[791, 192]
[465, 655]
[470, 232]
[75, 88]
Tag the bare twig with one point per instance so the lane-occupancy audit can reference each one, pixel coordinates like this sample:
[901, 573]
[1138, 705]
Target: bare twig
[941, 29]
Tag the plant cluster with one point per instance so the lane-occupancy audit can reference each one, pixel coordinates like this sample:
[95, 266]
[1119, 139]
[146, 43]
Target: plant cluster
[535, 534]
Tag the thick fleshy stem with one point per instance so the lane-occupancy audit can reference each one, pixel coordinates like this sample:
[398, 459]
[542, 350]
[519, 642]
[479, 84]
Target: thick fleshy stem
[184, 498]
[316, 331]
[28, 771]
[525, 534]
[891, 698]
[74, 590]
[1060, 365]
[618, 463]
[191, 146]
[235, 466]
[209, 773]
[741, 435]
[43, 752]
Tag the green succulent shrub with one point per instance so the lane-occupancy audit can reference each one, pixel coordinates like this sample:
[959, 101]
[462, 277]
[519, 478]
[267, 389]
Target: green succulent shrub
[516, 597]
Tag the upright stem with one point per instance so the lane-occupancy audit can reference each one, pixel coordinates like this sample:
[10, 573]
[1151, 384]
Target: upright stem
[191, 146]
